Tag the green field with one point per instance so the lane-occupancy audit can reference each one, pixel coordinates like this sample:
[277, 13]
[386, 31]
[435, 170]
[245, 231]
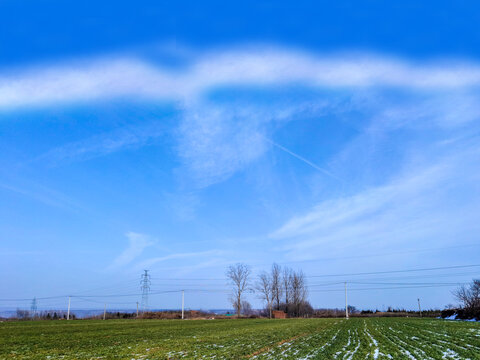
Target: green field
[356, 338]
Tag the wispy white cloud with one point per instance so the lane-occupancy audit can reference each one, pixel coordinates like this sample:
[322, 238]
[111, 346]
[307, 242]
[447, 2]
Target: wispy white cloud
[278, 65]
[267, 66]
[427, 202]
[182, 204]
[87, 81]
[198, 255]
[135, 259]
[217, 140]
[104, 144]
[137, 243]
[42, 194]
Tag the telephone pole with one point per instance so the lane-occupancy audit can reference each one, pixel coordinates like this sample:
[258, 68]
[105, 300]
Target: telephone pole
[346, 303]
[145, 287]
[137, 309]
[183, 303]
[104, 311]
[419, 307]
[68, 311]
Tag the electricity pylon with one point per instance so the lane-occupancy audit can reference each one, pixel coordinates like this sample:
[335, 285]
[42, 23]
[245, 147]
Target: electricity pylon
[145, 287]
[33, 308]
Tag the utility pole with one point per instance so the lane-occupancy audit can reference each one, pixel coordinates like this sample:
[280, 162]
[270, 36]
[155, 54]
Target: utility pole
[137, 309]
[183, 303]
[104, 311]
[33, 308]
[419, 307]
[346, 303]
[68, 311]
[145, 287]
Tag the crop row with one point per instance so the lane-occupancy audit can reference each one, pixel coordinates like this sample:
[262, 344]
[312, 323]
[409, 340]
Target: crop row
[356, 338]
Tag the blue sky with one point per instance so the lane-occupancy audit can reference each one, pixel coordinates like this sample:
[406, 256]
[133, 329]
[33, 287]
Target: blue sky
[335, 138]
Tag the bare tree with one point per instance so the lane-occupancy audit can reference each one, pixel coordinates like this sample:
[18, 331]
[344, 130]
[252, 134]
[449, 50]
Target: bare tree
[277, 289]
[264, 287]
[246, 308]
[298, 290]
[23, 314]
[469, 295]
[287, 285]
[239, 276]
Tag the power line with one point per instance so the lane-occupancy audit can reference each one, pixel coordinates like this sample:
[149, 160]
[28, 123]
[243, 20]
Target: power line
[380, 288]
[193, 279]
[40, 298]
[102, 302]
[129, 285]
[396, 271]
[407, 283]
[146, 283]
[424, 276]
[88, 298]
[339, 275]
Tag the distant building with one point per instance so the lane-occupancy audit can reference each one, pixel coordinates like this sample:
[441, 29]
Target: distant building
[278, 314]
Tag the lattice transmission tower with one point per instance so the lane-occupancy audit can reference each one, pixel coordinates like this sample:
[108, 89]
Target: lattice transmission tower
[145, 287]
[33, 308]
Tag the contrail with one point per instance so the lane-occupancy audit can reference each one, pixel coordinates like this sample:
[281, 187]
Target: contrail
[303, 159]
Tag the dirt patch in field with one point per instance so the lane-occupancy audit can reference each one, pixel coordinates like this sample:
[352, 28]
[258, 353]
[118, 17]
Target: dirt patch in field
[267, 348]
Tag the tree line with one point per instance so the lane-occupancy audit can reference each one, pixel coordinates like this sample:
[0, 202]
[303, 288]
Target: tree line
[469, 298]
[281, 288]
